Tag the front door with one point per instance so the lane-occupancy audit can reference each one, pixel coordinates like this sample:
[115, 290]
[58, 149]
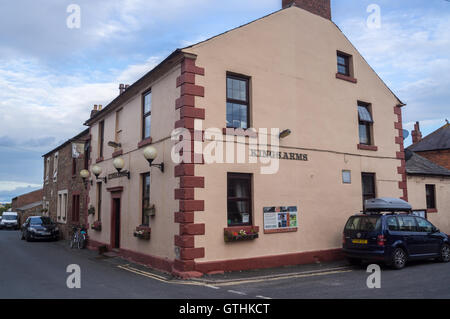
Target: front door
[115, 224]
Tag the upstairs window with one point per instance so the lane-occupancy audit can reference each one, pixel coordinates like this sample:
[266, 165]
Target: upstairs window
[237, 102]
[365, 124]
[147, 115]
[431, 196]
[101, 136]
[55, 167]
[118, 133]
[343, 63]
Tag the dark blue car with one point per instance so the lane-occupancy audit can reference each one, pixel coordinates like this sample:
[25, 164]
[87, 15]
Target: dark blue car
[393, 238]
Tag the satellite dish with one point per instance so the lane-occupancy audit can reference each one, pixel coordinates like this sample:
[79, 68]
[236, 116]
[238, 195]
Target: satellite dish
[405, 134]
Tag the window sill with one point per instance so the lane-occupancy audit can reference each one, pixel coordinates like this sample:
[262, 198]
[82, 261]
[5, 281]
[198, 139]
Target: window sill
[117, 153]
[239, 132]
[277, 231]
[346, 78]
[100, 159]
[367, 147]
[432, 210]
[145, 142]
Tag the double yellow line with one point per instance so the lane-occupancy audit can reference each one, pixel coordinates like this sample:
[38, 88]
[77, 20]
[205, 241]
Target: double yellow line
[235, 282]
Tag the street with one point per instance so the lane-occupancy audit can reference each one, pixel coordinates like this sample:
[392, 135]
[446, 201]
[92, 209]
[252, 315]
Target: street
[38, 270]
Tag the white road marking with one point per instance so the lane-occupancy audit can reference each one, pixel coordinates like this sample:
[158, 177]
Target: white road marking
[237, 292]
[213, 287]
[262, 297]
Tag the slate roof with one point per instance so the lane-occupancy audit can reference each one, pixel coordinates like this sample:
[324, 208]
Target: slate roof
[32, 205]
[438, 140]
[418, 165]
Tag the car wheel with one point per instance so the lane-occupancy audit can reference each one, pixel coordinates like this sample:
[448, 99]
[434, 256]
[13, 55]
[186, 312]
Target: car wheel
[22, 237]
[398, 258]
[445, 253]
[27, 237]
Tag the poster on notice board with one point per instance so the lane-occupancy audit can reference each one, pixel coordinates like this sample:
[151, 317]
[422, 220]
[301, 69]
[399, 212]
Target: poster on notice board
[280, 217]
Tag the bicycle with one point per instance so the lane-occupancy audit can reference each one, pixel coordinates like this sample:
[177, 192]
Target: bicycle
[79, 237]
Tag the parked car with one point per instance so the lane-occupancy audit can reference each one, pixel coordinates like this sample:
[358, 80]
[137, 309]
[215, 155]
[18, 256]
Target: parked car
[10, 220]
[39, 227]
[387, 232]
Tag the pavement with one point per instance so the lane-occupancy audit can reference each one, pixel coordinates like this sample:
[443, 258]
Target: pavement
[39, 270]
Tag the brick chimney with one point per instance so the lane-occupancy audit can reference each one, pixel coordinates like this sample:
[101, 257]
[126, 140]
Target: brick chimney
[94, 110]
[416, 133]
[319, 7]
[123, 87]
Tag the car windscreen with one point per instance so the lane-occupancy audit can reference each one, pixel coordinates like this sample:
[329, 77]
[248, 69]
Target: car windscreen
[9, 217]
[363, 223]
[40, 221]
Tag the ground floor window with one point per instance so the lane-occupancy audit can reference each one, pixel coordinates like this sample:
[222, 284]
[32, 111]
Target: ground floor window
[99, 201]
[75, 208]
[431, 196]
[146, 199]
[368, 186]
[239, 204]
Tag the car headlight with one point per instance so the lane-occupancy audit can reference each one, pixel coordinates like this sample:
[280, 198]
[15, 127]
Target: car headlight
[34, 230]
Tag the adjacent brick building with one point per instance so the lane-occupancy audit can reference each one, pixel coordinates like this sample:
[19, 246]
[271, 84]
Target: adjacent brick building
[28, 204]
[64, 193]
[435, 146]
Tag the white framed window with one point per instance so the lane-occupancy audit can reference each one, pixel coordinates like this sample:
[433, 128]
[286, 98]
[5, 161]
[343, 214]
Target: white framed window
[61, 209]
[55, 167]
[47, 169]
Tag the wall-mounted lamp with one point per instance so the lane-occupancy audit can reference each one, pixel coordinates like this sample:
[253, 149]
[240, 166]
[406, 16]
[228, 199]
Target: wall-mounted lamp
[85, 175]
[97, 170]
[150, 153]
[285, 133]
[119, 163]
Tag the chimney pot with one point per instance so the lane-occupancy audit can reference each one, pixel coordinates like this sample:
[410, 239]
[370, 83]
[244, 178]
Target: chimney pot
[121, 88]
[100, 107]
[416, 133]
[319, 7]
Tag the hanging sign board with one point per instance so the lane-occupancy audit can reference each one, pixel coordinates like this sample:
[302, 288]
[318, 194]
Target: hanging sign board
[77, 150]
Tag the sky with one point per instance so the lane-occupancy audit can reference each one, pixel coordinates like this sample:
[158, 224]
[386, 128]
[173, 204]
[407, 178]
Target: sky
[51, 75]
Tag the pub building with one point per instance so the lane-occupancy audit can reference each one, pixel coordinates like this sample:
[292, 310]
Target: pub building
[340, 143]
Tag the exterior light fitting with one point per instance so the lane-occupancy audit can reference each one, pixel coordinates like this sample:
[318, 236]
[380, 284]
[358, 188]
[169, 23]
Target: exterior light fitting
[85, 175]
[97, 170]
[150, 153]
[285, 133]
[119, 164]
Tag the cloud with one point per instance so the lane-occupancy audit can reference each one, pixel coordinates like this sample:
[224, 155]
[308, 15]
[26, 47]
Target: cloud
[10, 185]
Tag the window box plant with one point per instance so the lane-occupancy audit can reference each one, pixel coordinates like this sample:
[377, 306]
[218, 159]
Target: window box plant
[233, 234]
[91, 210]
[97, 225]
[142, 232]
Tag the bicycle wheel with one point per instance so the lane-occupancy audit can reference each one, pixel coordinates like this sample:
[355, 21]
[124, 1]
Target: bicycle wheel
[81, 242]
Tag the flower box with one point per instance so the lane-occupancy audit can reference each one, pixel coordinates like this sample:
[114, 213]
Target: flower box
[142, 232]
[97, 226]
[233, 234]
